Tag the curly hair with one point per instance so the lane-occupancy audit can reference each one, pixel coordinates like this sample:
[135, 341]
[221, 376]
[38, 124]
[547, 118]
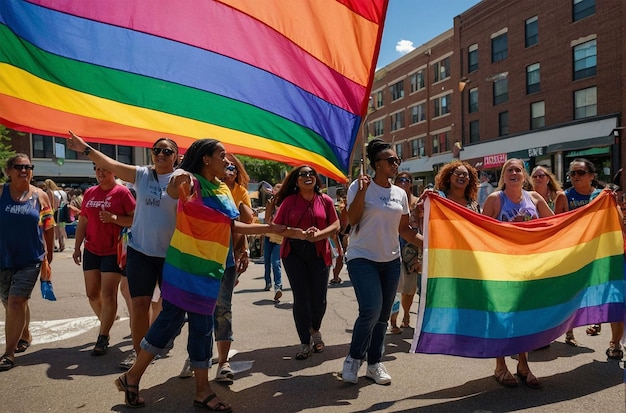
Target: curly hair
[442, 180]
[290, 184]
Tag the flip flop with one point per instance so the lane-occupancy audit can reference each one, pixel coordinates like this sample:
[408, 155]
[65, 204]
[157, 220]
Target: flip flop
[22, 346]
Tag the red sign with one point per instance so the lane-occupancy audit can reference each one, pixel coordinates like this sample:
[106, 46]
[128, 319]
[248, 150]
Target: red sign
[493, 161]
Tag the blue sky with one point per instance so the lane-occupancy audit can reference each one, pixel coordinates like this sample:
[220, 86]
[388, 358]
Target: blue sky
[411, 23]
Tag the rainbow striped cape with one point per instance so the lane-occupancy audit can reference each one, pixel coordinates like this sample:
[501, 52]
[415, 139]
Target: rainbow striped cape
[287, 80]
[495, 289]
[194, 264]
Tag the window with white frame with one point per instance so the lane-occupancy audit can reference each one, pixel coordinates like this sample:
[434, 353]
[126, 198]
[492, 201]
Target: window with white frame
[399, 150]
[418, 113]
[442, 69]
[397, 121]
[585, 60]
[532, 31]
[472, 58]
[582, 9]
[417, 147]
[585, 103]
[441, 142]
[442, 105]
[379, 99]
[533, 78]
[417, 81]
[397, 90]
[379, 127]
[537, 115]
[473, 100]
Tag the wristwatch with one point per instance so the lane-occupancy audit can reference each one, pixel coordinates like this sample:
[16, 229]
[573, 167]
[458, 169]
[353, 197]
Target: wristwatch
[87, 150]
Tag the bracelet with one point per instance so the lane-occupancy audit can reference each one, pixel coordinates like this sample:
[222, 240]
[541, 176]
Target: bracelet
[87, 150]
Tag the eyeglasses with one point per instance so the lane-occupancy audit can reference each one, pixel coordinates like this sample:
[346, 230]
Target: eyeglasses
[578, 172]
[403, 180]
[392, 160]
[23, 167]
[538, 176]
[461, 174]
[231, 168]
[306, 173]
[166, 151]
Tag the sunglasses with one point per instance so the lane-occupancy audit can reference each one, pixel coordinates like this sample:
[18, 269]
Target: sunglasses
[23, 167]
[306, 173]
[166, 151]
[538, 176]
[231, 168]
[403, 180]
[392, 160]
[578, 172]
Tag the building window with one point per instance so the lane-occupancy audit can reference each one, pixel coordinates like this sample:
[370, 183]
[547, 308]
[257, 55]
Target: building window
[472, 58]
[499, 48]
[418, 113]
[417, 147]
[500, 91]
[585, 103]
[503, 123]
[473, 100]
[417, 81]
[582, 9]
[379, 99]
[442, 105]
[49, 146]
[537, 115]
[442, 69]
[379, 127]
[440, 143]
[532, 31]
[474, 131]
[585, 60]
[397, 121]
[399, 150]
[125, 155]
[397, 90]
[533, 78]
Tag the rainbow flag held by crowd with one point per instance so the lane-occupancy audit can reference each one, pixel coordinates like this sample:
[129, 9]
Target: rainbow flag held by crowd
[195, 260]
[496, 289]
[273, 79]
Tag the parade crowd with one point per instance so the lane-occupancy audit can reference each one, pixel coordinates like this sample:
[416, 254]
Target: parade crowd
[174, 241]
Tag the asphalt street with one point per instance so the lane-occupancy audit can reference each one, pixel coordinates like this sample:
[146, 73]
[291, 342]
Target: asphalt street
[58, 374]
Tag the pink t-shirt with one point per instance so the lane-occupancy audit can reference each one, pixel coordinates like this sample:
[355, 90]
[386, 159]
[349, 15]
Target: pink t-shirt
[297, 212]
[101, 238]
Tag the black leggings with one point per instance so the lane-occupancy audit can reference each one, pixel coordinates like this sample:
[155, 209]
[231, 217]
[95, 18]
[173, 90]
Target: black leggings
[308, 277]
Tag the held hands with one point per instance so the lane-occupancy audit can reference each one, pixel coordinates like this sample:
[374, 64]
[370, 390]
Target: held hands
[311, 234]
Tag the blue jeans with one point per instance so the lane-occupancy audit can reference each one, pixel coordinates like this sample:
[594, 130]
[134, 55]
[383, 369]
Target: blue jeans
[223, 315]
[375, 285]
[271, 257]
[167, 326]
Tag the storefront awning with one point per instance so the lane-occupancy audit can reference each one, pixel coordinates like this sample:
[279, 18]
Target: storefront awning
[588, 152]
[581, 144]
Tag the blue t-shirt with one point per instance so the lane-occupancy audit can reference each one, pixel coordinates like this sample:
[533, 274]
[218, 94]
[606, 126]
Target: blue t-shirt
[576, 200]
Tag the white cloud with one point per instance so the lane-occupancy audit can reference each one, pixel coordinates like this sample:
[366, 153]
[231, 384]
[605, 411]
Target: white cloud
[404, 46]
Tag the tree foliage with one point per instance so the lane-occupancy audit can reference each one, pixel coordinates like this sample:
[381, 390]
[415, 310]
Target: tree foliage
[263, 170]
[5, 150]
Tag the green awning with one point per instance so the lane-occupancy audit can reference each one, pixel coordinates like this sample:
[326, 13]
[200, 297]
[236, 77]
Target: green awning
[588, 152]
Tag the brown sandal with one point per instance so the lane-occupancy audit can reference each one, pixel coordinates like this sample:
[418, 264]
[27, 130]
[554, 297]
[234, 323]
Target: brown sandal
[569, 339]
[529, 379]
[505, 378]
[594, 330]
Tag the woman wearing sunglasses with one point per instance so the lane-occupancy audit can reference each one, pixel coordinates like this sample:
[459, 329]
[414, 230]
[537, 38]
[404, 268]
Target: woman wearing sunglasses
[152, 228]
[306, 218]
[26, 240]
[378, 213]
[107, 208]
[511, 202]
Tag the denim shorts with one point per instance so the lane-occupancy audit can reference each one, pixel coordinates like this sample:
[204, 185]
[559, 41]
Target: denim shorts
[143, 272]
[18, 282]
[104, 263]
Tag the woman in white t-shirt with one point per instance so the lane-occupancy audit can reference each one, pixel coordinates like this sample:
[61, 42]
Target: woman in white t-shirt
[378, 212]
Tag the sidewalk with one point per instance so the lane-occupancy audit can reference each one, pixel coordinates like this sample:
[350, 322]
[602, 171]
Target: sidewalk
[60, 376]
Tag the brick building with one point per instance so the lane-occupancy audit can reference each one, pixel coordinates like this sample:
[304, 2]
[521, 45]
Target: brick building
[541, 81]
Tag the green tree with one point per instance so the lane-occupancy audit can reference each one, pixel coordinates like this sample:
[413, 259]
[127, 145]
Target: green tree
[263, 170]
[5, 150]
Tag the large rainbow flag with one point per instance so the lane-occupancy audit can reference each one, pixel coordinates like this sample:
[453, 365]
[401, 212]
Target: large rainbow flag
[274, 79]
[495, 289]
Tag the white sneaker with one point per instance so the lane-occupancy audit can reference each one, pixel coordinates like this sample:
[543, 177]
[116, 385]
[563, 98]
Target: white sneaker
[378, 373]
[350, 372]
[225, 374]
[128, 362]
[186, 372]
